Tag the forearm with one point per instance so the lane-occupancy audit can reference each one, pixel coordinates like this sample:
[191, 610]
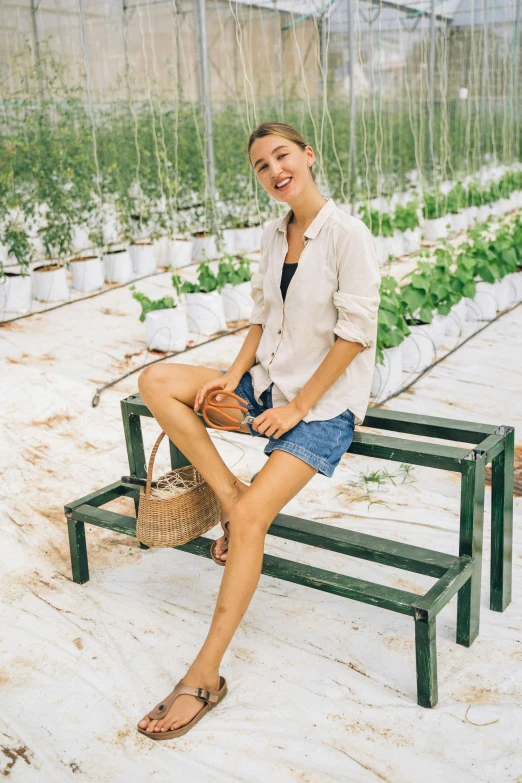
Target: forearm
[338, 358]
[246, 357]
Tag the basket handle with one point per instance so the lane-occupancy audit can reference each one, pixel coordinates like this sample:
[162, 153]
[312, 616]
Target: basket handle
[151, 464]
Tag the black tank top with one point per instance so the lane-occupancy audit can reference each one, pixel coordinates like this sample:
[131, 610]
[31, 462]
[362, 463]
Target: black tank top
[286, 276]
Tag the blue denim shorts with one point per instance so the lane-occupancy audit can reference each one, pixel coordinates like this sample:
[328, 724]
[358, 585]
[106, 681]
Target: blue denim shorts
[319, 443]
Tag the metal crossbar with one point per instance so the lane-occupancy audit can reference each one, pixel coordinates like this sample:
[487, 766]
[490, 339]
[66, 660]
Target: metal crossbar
[454, 574]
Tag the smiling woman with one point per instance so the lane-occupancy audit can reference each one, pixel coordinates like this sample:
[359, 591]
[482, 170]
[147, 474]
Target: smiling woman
[304, 372]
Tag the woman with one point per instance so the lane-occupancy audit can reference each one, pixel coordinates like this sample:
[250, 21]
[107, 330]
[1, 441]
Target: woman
[305, 369]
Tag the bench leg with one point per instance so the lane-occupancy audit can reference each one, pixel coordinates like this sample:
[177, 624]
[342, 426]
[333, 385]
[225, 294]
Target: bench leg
[502, 469]
[471, 532]
[426, 658]
[78, 547]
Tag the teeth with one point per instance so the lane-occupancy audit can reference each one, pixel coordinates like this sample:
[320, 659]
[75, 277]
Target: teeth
[284, 182]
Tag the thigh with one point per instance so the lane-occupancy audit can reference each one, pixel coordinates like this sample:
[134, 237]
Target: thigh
[180, 382]
[280, 479]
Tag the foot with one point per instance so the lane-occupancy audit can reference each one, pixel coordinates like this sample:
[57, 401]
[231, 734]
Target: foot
[219, 548]
[184, 708]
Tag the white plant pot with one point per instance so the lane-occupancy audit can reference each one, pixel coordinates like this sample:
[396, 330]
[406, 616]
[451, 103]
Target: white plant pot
[16, 294]
[207, 244]
[383, 247]
[205, 313]
[418, 349]
[456, 319]
[471, 215]
[179, 253]
[458, 222]
[387, 377]
[515, 281]
[247, 240]
[117, 267]
[503, 293]
[484, 213]
[438, 329]
[80, 239]
[167, 330]
[436, 229]
[229, 240]
[111, 231]
[483, 307]
[412, 240]
[237, 301]
[398, 244]
[87, 274]
[144, 259]
[50, 285]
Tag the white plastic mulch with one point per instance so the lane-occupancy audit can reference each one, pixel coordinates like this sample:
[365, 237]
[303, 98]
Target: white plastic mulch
[321, 688]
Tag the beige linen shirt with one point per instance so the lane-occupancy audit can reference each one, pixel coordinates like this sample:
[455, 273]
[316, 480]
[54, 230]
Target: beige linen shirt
[334, 291]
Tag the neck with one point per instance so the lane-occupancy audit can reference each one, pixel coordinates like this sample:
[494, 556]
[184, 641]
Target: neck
[306, 206]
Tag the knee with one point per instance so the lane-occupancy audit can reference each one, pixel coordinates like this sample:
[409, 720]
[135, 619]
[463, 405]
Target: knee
[247, 523]
[152, 380]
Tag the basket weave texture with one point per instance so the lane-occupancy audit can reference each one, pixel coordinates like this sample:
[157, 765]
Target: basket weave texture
[167, 522]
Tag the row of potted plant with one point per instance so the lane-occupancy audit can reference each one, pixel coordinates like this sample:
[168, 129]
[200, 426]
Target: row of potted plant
[449, 286]
[209, 303]
[463, 206]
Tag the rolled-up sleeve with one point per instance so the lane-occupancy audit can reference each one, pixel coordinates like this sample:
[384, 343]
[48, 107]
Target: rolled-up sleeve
[256, 291]
[357, 300]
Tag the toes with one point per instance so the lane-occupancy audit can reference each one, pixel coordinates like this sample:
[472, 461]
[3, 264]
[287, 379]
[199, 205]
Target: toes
[143, 723]
[152, 726]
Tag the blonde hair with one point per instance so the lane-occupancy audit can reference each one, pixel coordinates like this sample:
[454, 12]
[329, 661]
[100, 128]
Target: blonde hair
[278, 129]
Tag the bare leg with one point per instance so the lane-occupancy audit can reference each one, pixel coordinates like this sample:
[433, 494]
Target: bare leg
[169, 392]
[280, 479]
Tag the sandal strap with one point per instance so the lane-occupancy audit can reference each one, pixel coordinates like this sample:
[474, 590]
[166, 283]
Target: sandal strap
[203, 694]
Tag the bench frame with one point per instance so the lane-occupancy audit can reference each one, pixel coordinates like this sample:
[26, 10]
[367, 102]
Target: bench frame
[454, 574]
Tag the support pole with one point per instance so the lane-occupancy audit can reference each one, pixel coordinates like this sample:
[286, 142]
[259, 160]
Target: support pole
[277, 64]
[352, 173]
[324, 22]
[37, 53]
[127, 15]
[431, 99]
[514, 99]
[207, 107]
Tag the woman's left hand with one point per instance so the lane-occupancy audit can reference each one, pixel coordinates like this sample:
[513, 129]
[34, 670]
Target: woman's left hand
[274, 422]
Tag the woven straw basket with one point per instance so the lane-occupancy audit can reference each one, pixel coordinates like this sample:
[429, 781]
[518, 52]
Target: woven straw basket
[179, 519]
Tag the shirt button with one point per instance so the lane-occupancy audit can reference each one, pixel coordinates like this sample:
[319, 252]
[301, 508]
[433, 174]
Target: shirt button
[279, 331]
[273, 353]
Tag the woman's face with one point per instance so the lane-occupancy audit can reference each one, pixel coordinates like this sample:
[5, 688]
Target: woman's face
[276, 160]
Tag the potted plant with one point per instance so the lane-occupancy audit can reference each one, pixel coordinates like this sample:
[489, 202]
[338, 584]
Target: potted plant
[391, 331]
[455, 203]
[234, 277]
[16, 287]
[166, 325]
[406, 221]
[436, 220]
[205, 312]
[179, 246]
[418, 350]
[50, 281]
[381, 226]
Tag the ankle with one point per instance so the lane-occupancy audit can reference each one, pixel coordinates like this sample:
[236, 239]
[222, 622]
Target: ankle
[203, 676]
[231, 494]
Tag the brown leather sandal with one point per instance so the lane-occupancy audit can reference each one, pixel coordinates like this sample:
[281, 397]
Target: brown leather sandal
[226, 531]
[210, 698]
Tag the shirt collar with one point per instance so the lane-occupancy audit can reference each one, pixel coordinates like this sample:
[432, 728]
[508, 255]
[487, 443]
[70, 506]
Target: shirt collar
[316, 224]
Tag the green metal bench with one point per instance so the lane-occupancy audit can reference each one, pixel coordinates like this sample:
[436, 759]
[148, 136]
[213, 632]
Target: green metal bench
[454, 574]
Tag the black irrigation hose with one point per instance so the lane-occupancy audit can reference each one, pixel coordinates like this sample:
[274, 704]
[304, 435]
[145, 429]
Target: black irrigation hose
[442, 358]
[96, 398]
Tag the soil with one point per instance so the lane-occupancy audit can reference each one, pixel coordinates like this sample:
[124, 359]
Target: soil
[85, 258]
[48, 268]
[200, 234]
[142, 244]
[115, 252]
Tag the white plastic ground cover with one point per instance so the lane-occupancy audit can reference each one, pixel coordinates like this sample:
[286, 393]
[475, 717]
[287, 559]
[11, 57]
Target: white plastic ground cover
[322, 688]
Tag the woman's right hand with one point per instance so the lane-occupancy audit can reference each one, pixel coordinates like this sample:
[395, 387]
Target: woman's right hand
[227, 382]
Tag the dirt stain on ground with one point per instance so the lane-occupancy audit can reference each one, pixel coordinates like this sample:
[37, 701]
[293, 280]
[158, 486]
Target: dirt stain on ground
[52, 421]
[108, 311]
[13, 755]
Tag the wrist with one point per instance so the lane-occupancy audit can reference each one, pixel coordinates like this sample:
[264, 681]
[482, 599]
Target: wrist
[299, 407]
